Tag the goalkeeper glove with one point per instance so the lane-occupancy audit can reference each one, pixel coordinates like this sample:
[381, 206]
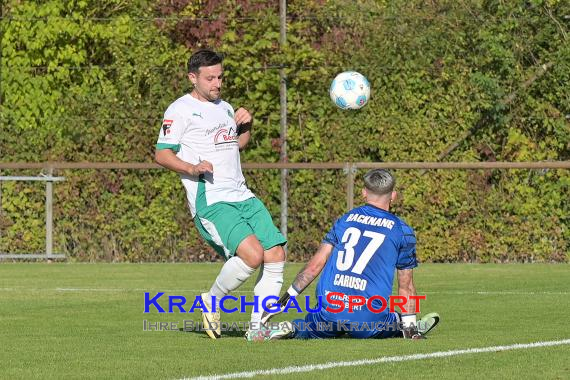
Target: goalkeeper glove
[267, 315]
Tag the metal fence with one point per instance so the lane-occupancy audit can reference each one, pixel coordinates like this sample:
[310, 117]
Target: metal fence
[49, 180]
[349, 169]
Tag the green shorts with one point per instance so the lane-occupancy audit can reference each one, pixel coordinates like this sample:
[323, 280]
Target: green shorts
[225, 224]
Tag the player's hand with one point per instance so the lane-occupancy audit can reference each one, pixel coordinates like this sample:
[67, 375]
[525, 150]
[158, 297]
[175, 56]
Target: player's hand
[266, 316]
[243, 118]
[202, 168]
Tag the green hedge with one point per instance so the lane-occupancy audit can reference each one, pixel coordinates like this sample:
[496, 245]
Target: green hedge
[89, 81]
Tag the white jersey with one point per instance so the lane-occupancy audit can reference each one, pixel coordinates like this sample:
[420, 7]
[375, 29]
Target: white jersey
[205, 131]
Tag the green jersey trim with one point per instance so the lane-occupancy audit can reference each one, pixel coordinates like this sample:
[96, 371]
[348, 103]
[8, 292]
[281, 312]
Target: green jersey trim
[174, 147]
[201, 202]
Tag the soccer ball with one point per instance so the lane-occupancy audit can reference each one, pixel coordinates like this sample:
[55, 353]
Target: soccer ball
[350, 90]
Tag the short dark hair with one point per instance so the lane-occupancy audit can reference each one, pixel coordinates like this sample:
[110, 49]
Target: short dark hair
[379, 181]
[203, 58]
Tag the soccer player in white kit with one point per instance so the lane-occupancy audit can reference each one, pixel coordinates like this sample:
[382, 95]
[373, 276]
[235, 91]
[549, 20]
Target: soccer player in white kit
[201, 138]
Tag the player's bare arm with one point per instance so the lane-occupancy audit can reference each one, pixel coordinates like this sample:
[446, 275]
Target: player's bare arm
[407, 288]
[168, 159]
[243, 139]
[313, 268]
[304, 278]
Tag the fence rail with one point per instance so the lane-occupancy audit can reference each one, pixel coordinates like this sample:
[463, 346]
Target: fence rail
[349, 169]
[302, 165]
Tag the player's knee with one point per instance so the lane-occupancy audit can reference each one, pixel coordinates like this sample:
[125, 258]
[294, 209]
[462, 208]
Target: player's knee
[251, 252]
[253, 258]
[274, 255]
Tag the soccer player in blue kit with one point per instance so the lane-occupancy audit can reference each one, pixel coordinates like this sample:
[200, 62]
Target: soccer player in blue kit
[358, 257]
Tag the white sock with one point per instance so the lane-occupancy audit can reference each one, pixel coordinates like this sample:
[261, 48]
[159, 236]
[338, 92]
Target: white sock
[234, 273]
[268, 284]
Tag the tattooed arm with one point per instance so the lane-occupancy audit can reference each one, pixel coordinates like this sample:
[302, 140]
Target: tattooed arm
[312, 269]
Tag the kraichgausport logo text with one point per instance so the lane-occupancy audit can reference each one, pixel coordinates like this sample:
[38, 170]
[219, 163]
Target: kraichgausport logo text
[336, 302]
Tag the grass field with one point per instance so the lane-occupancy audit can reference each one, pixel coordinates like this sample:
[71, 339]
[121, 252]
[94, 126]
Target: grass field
[60, 321]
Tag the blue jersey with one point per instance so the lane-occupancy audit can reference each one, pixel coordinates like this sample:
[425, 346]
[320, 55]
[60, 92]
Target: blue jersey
[369, 244]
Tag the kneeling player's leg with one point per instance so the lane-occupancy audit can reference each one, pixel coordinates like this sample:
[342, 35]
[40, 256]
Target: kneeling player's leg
[388, 328]
[315, 327]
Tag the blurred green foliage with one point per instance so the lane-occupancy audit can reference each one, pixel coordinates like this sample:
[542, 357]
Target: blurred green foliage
[89, 81]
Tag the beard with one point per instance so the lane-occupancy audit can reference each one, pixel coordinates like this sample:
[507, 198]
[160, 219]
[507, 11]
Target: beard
[214, 95]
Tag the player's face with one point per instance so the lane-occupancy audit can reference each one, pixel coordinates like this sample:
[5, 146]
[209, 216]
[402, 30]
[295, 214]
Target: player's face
[207, 83]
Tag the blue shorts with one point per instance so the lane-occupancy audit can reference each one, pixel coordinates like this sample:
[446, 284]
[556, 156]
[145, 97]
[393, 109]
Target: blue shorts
[315, 326]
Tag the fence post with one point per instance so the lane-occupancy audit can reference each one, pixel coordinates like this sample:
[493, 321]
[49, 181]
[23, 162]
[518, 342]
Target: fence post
[49, 180]
[283, 119]
[49, 215]
[350, 171]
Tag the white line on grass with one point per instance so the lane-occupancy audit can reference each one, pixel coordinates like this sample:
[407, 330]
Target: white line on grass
[126, 290]
[500, 292]
[384, 359]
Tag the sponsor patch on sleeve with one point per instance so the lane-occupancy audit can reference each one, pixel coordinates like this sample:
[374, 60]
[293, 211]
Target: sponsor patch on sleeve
[166, 124]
